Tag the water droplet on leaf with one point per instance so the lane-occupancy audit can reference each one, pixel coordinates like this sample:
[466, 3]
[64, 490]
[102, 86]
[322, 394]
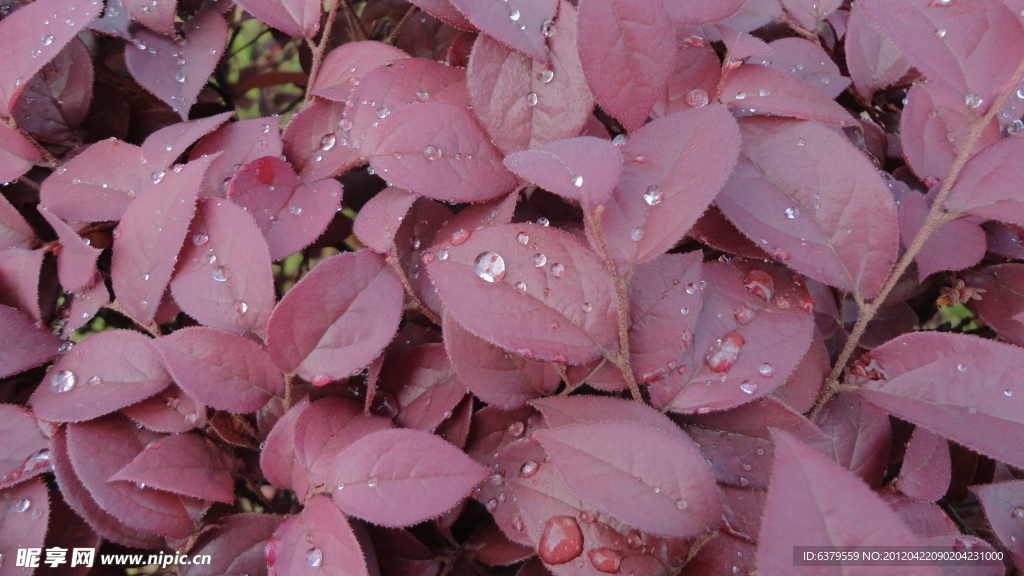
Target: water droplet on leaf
[489, 266]
[62, 381]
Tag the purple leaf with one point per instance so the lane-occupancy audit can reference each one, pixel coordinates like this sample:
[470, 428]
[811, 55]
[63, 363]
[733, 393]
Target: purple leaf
[318, 540]
[858, 436]
[152, 231]
[694, 79]
[437, 150]
[76, 262]
[33, 37]
[15, 232]
[26, 449]
[185, 464]
[873, 60]
[773, 92]
[987, 186]
[1004, 508]
[379, 219]
[157, 17]
[327, 428]
[663, 488]
[955, 245]
[17, 155]
[315, 141]
[1003, 299]
[672, 169]
[26, 510]
[239, 143]
[170, 411]
[225, 370]
[402, 477]
[926, 471]
[290, 213]
[337, 318]
[425, 386]
[298, 18]
[814, 502]
[807, 13]
[23, 344]
[501, 82]
[97, 184]
[808, 62]
[346, 64]
[702, 12]
[93, 381]
[163, 147]
[970, 50]
[191, 58]
[583, 169]
[444, 10]
[626, 49]
[587, 409]
[85, 304]
[19, 280]
[959, 386]
[223, 278]
[523, 26]
[69, 530]
[236, 546]
[800, 391]
[277, 459]
[533, 290]
[493, 375]
[777, 197]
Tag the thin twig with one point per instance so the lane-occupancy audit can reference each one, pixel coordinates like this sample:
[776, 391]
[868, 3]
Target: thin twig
[28, 183]
[390, 40]
[318, 50]
[357, 23]
[288, 380]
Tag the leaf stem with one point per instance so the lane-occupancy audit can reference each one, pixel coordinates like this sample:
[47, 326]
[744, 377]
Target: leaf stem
[414, 300]
[318, 51]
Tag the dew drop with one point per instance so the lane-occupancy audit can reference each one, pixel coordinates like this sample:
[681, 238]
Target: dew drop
[489, 266]
[314, 557]
[1007, 392]
[743, 315]
[1018, 512]
[179, 78]
[156, 177]
[561, 541]
[523, 238]
[521, 287]
[241, 307]
[46, 40]
[681, 504]
[491, 505]
[200, 239]
[542, 221]
[210, 259]
[514, 15]
[697, 98]
[723, 354]
[587, 307]
[431, 152]
[546, 75]
[460, 236]
[764, 91]
[577, 181]
[219, 274]
[961, 368]
[557, 270]
[741, 95]
[62, 381]
[145, 277]
[372, 481]
[653, 196]
[295, 210]
[327, 142]
[684, 311]
[619, 141]
[748, 387]
[792, 212]
[691, 288]
[539, 260]
[22, 505]
[760, 283]
[801, 142]
[766, 370]
[94, 381]
[548, 28]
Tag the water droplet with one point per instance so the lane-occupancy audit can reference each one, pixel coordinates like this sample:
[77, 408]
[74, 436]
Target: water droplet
[65, 347]
[514, 15]
[940, 2]
[219, 274]
[748, 387]
[653, 196]
[345, 124]
[1007, 392]
[521, 287]
[314, 557]
[539, 260]
[327, 142]
[36, 52]
[431, 152]
[94, 381]
[546, 75]
[697, 98]
[961, 368]
[548, 28]
[684, 311]
[531, 99]
[295, 210]
[744, 482]
[801, 142]
[371, 481]
[1018, 512]
[557, 270]
[210, 259]
[542, 221]
[460, 236]
[156, 177]
[637, 234]
[179, 78]
[619, 141]
[766, 370]
[792, 212]
[561, 541]
[489, 266]
[46, 40]
[421, 95]
[587, 307]
[22, 505]
[743, 315]
[760, 283]
[241, 307]
[764, 91]
[722, 355]
[577, 181]
[523, 238]
[62, 381]
[145, 277]
[681, 504]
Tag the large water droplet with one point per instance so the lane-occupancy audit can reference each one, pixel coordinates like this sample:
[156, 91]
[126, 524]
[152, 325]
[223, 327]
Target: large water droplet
[328, 141]
[514, 15]
[521, 287]
[792, 212]
[546, 75]
[523, 238]
[1018, 512]
[62, 381]
[220, 274]
[561, 541]
[548, 28]
[241, 307]
[460, 236]
[557, 270]
[489, 266]
[653, 196]
[22, 505]
[760, 283]
[531, 99]
[539, 260]
[697, 98]
[314, 557]
[156, 177]
[431, 152]
[743, 315]
[722, 355]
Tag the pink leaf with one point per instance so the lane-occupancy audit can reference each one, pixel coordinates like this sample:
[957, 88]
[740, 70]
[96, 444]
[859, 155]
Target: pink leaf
[298, 18]
[926, 470]
[808, 13]
[170, 411]
[530, 289]
[627, 50]
[1004, 508]
[501, 82]
[702, 12]
[277, 459]
[813, 502]
[402, 477]
[773, 92]
[327, 428]
[97, 184]
[493, 375]
[17, 155]
[663, 488]
[694, 80]
[444, 11]
[224, 370]
[987, 186]
[238, 143]
[235, 546]
[425, 386]
[337, 318]
[157, 17]
[346, 64]
[26, 509]
[955, 385]
[185, 464]
[33, 37]
[583, 169]
[437, 150]
[317, 540]
[970, 50]
[191, 58]
[19, 280]
[873, 60]
[76, 262]
[858, 436]
[163, 147]
[807, 61]
[379, 219]
[1003, 299]
[24, 345]
[93, 382]
[672, 169]
[98, 449]
[152, 231]
[315, 141]
[777, 197]
[955, 245]
[15, 232]
[522, 25]
[223, 278]
[85, 304]
[26, 449]
[587, 409]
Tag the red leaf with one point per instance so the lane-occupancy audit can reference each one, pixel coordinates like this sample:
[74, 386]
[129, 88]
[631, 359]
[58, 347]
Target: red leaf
[801, 390]
[315, 141]
[425, 386]
[33, 37]
[290, 213]
[694, 80]
[327, 428]
[813, 502]
[970, 50]
[277, 459]
[954, 245]
[169, 411]
[858, 437]
[85, 304]
[530, 289]
[26, 449]
[493, 375]
[93, 381]
[627, 51]
[337, 318]
[807, 61]
[224, 278]
[873, 60]
[987, 186]
[683, 159]
[298, 18]
[955, 385]
[238, 144]
[437, 150]
[235, 546]
[191, 58]
[15, 232]
[19, 280]
[97, 184]
[151, 234]
[163, 147]
[317, 540]
[808, 13]
[587, 409]
[926, 471]
[1004, 507]
[776, 197]
[379, 219]
[17, 155]
[583, 169]
[444, 11]
[702, 12]
[157, 17]
[523, 26]
[1003, 299]
[652, 481]
[76, 262]
[224, 370]
[773, 92]
[185, 464]
[57, 98]
[402, 477]
[346, 64]
[98, 449]
[26, 510]
[24, 345]
[501, 80]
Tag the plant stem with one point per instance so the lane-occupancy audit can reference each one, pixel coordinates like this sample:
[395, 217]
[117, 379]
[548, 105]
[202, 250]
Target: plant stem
[318, 51]
[390, 40]
[414, 300]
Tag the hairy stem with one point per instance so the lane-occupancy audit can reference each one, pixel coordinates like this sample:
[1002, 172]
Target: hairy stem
[937, 216]
[414, 300]
[319, 49]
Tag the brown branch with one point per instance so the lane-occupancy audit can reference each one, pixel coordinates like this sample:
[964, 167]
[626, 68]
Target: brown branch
[390, 40]
[319, 49]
